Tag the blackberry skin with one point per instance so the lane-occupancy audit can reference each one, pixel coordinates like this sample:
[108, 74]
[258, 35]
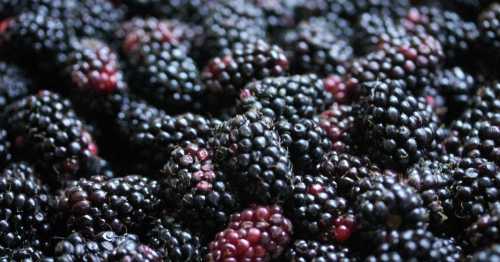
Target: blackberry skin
[488, 27]
[229, 23]
[491, 253]
[416, 245]
[319, 49]
[399, 128]
[244, 63]
[456, 35]
[46, 130]
[248, 149]
[97, 19]
[384, 203]
[306, 142]
[457, 86]
[174, 241]
[317, 211]
[14, 84]
[338, 122]
[200, 192]
[484, 232]
[308, 250]
[24, 210]
[290, 98]
[122, 204]
[259, 233]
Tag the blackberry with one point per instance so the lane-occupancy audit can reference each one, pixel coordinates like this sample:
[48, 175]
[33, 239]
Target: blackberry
[9, 8]
[456, 35]
[200, 192]
[14, 84]
[338, 122]
[46, 130]
[306, 142]
[374, 27]
[491, 253]
[488, 23]
[24, 254]
[484, 232]
[24, 210]
[416, 245]
[256, 233]
[399, 128]
[174, 241]
[468, 8]
[457, 86]
[317, 211]
[248, 149]
[189, 11]
[225, 76]
[5, 150]
[97, 19]
[278, 14]
[319, 49]
[123, 204]
[291, 98]
[308, 250]
[384, 203]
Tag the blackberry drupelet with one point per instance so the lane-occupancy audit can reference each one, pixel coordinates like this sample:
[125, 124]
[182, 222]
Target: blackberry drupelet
[488, 23]
[317, 211]
[308, 250]
[122, 204]
[45, 129]
[338, 122]
[399, 129]
[5, 148]
[226, 76]
[484, 232]
[248, 149]
[306, 142]
[24, 210]
[174, 241]
[259, 233]
[14, 84]
[457, 86]
[290, 98]
[201, 193]
[491, 253]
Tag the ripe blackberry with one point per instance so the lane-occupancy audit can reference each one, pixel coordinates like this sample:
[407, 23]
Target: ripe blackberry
[416, 245]
[248, 149]
[317, 211]
[456, 35]
[5, 150]
[399, 129]
[189, 10]
[291, 98]
[278, 14]
[123, 204]
[9, 8]
[457, 86]
[484, 232]
[174, 241]
[201, 194]
[308, 250]
[318, 49]
[14, 84]
[468, 8]
[374, 27]
[488, 24]
[46, 130]
[226, 76]
[491, 253]
[384, 203]
[97, 19]
[258, 233]
[24, 210]
[306, 142]
[338, 122]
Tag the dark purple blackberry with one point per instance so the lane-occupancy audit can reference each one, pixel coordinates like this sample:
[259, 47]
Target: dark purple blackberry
[187, 10]
[374, 27]
[193, 186]
[14, 84]
[5, 150]
[259, 233]
[317, 211]
[226, 76]
[415, 245]
[457, 86]
[290, 98]
[488, 24]
[25, 254]
[278, 14]
[485, 231]
[24, 210]
[456, 35]
[229, 23]
[384, 203]
[45, 129]
[468, 8]
[491, 253]
[97, 19]
[122, 204]
[175, 242]
[248, 149]
[9, 8]
[308, 250]
[306, 142]
[338, 122]
[398, 128]
[317, 48]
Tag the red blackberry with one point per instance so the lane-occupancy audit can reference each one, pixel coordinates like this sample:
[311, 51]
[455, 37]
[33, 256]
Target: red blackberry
[260, 233]
[248, 149]
[398, 128]
[14, 84]
[174, 241]
[488, 24]
[24, 210]
[491, 253]
[317, 211]
[46, 130]
[291, 98]
[338, 122]
[201, 194]
[225, 76]
[123, 204]
[306, 142]
[457, 86]
[484, 232]
[308, 250]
